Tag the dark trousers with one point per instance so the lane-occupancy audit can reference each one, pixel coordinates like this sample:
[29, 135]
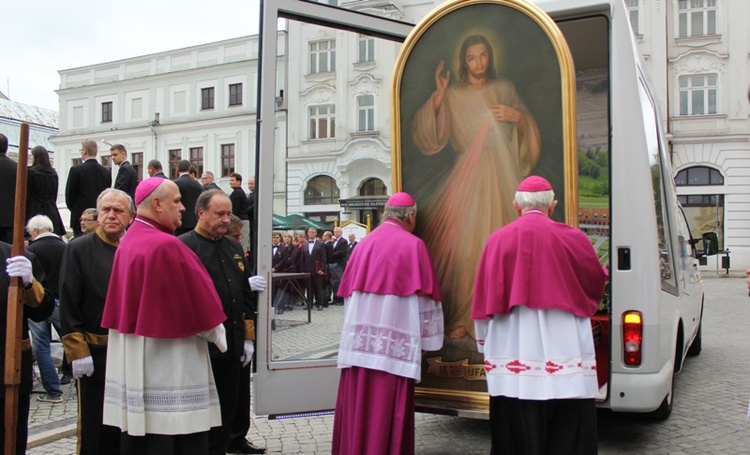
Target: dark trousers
[240, 426]
[227, 376]
[160, 444]
[554, 427]
[336, 274]
[318, 286]
[94, 437]
[22, 425]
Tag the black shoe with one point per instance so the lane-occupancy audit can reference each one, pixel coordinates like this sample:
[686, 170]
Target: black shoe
[320, 308]
[65, 379]
[248, 447]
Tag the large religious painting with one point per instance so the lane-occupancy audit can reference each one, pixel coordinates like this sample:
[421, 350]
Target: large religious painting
[483, 96]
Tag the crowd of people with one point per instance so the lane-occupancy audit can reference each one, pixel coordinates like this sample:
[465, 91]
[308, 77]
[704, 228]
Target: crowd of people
[324, 259]
[161, 348]
[146, 377]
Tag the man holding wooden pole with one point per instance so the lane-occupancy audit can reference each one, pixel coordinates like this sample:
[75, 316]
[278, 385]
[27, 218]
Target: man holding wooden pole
[21, 297]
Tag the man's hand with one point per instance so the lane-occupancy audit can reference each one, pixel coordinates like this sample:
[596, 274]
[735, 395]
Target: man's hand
[249, 350]
[20, 266]
[82, 367]
[257, 283]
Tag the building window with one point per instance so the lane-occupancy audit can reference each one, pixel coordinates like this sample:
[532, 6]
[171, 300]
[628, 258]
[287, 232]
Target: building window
[106, 162]
[698, 94]
[366, 112]
[174, 158]
[697, 17]
[227, 159]
[322, 190]
[107, 112]
[366, 52]
[698, 176]
[76, 161]
[207, 98]
[373, 187]
[633, 13]
[136, 159]
[322, 121]
[235, 94]
[196, 158]
[323, 56]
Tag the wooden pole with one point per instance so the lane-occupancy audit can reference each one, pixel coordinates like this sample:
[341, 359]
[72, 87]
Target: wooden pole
[14, 321]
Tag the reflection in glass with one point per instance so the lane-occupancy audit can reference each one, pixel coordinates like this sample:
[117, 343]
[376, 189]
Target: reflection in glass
[332, 128]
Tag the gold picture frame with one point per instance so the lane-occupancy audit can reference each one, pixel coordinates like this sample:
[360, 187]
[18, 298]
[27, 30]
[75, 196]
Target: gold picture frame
[483, 94]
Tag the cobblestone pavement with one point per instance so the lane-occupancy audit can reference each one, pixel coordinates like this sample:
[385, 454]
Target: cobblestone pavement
[709, 416]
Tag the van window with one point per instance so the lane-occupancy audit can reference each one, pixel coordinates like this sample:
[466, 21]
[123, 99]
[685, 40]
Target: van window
[655, 155]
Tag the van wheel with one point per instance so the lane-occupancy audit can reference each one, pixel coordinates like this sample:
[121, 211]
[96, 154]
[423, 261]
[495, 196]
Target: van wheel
[665, 408]
[697, 345]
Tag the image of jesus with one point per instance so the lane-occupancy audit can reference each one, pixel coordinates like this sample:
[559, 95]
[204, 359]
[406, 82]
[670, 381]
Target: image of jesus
[498, 143]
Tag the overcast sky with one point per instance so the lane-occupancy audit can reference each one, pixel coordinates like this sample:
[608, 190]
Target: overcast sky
[40, 37]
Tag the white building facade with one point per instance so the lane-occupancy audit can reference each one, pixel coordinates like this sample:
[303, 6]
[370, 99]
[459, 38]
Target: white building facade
[697, 55]
[196, 103]
[333, 119]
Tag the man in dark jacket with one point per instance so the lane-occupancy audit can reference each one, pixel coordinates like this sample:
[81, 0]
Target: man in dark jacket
[8, 170]
[49, 248]
[230, 272]
[190, 189]
[338, 263]
[37, 306]
[127, 176]
[85, 182]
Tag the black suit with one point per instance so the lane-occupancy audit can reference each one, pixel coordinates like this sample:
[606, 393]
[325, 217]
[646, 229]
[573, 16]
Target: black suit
[8, 170]
[85, 182]
[339, 256]
[212, 186]
[351, 248]
[189, 190]
[127, 178]
[312, 263]
[239, 203]
[159, 175]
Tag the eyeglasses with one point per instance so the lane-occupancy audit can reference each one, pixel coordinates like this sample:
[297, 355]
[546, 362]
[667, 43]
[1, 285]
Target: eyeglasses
[86, 220]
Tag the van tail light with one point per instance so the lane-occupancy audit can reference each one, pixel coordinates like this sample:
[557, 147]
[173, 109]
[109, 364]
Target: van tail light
[632, 337]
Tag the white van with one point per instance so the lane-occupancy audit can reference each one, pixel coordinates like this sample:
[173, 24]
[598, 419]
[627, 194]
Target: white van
[651, 318]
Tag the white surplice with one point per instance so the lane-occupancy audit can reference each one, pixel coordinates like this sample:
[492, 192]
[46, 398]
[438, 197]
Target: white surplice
[389, 333]
[159, 386]
[538, 354]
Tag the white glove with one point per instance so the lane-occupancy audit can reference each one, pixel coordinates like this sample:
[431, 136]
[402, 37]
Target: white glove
[20, 266]
[257, 283]
[217, 336]
[82, 367]
[249, 351]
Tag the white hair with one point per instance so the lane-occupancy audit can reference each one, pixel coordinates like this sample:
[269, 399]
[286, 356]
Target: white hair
[398, 212]
[539, 200]
[40, 223]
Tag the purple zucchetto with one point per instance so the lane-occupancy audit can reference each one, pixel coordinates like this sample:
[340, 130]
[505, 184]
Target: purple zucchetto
[401, 200]
[534, 184]
[146, 187]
